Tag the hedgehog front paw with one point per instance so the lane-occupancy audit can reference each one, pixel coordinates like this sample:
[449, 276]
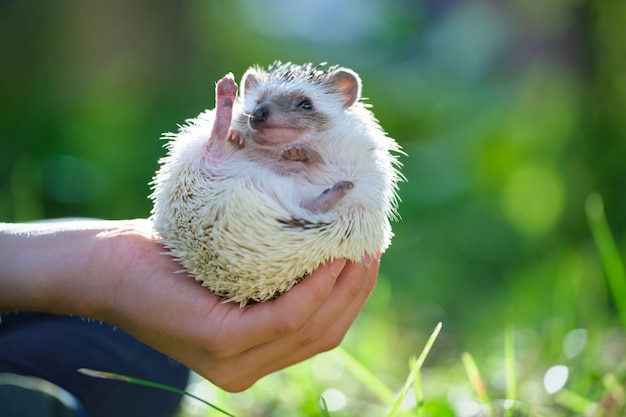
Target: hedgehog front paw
[301, 153]
[225, 95]
[226, 90]
[236, 138]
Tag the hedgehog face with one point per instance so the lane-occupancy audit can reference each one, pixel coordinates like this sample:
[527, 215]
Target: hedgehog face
[291, 103]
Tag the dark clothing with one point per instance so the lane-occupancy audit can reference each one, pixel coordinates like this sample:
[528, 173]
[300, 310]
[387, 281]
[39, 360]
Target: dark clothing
[53, 347]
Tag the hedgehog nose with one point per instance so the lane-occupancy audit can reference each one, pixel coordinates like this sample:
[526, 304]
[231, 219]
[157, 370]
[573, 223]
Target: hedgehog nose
[260, 114]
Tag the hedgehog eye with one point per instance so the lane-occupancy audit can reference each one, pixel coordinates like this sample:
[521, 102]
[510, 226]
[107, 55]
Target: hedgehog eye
[305, 104]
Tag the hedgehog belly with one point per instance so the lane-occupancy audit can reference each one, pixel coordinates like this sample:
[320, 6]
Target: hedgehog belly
[245, 246]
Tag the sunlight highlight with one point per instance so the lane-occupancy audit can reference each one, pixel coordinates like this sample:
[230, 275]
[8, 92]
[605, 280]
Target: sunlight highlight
[555, 378]
[574, 342]
[335, 399]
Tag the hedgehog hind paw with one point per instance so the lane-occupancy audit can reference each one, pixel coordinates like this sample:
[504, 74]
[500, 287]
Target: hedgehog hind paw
[329, 197]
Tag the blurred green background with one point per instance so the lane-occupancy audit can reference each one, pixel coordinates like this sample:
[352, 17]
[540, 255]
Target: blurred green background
[511, 112]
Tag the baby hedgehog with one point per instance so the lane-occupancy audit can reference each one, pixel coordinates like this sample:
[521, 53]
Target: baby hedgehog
[258, 193]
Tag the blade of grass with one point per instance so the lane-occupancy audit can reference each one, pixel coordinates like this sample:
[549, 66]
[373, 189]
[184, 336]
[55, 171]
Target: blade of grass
[415, 370]
[418, 390]
[476, 381]
[509, 368]
[325, 412]
[137, 381]
[574, 402]
[609, 254]
[614, 389]
[368, 379]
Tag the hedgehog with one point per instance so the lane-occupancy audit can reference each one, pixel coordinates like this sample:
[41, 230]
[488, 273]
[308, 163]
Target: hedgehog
[294, 172]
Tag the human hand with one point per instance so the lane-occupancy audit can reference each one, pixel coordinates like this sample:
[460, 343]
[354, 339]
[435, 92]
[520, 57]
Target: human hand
[134, 286]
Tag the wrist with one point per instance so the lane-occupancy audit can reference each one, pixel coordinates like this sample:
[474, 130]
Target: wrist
[119, 259]
[108, 254]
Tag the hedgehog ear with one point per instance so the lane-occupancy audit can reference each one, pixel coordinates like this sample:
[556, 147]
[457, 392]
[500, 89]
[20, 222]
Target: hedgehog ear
[250, 80]
[348, 84]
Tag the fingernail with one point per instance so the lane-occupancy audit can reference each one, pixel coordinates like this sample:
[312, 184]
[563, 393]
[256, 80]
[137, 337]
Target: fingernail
[368, 259]
[336, 267]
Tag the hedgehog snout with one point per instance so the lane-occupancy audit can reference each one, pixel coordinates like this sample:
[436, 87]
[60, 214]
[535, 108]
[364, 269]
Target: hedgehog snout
[260, 114]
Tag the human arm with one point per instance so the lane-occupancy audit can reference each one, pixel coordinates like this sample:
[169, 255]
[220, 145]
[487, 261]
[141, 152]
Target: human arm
[115, 271]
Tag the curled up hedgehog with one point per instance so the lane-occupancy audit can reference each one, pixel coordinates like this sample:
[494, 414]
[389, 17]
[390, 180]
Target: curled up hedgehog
[257, 193]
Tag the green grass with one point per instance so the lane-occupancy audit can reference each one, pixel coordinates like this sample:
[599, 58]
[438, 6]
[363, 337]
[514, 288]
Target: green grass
[611, 261]
[352, 365]
[138, 381]
[473, 374]
[414, 380]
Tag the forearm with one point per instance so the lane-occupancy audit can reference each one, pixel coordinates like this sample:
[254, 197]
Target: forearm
[45, 266]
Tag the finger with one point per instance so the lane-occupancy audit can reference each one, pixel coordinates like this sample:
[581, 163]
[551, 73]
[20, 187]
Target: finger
[265, 322]
[349, 290]
[322, 332]
[333, 335]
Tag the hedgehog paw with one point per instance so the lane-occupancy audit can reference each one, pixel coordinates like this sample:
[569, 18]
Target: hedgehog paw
[301, 153]
[236, 138]
[329, 197]
[225, 95]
